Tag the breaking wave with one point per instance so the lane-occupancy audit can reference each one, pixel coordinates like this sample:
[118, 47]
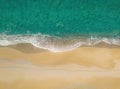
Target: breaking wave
[55, 44]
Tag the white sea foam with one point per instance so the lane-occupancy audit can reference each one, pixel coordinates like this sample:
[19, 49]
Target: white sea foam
[55, 44]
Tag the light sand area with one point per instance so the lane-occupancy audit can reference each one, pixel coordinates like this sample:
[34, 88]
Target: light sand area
[87, 56]
[24, 75]
[81, 68]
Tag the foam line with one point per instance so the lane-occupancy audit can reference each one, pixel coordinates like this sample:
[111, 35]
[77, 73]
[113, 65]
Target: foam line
[55, 44]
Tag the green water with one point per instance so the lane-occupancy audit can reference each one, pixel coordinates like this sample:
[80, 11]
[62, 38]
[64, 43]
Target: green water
[60, 17]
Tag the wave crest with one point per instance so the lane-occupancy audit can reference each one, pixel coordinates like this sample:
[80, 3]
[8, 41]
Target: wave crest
[55, 44]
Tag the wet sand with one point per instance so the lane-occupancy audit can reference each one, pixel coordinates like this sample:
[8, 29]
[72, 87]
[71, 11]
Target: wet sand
[81, 68]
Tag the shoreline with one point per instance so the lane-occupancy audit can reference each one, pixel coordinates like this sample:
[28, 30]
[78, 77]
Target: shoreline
[57, 44]
[29, 48]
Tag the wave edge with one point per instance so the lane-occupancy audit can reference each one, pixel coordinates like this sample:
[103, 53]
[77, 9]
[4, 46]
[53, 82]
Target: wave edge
[56, 44]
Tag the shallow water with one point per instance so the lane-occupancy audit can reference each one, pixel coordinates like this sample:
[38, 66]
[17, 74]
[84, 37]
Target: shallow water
[60, 17]
[60, 24]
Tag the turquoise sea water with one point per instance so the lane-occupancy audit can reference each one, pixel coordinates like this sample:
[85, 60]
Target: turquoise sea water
[61, 18]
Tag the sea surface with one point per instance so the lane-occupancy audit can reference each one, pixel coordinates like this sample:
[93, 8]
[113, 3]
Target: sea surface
[59, 25]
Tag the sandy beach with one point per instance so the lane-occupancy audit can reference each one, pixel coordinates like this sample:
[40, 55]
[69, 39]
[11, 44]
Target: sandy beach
[81, 68]
[59, 44]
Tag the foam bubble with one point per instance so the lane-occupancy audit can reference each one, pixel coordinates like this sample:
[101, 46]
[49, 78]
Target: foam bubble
[55, 44]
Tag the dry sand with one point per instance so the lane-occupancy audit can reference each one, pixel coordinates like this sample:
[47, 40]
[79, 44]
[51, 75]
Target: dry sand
[81, 68]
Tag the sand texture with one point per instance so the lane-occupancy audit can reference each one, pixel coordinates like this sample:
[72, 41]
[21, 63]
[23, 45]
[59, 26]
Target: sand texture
[81, 68]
